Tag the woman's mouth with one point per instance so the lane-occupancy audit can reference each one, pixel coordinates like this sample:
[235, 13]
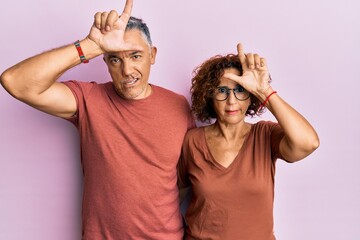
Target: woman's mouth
[232, 112]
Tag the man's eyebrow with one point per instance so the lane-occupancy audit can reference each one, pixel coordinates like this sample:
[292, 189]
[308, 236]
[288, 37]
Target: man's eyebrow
[112, 56]
[135, 52]
[131, 53]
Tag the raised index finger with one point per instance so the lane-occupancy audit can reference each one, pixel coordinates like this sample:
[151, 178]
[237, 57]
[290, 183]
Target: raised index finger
[242, 56]
[127, 10]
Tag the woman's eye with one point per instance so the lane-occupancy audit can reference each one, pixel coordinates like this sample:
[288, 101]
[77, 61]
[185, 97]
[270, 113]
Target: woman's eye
[222, 90]
[239, 89]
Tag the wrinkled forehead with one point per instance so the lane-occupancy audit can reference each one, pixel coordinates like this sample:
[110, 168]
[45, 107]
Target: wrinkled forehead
[135, 44]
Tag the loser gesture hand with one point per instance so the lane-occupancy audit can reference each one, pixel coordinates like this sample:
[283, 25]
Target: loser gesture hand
[255, 77]
[108, 29]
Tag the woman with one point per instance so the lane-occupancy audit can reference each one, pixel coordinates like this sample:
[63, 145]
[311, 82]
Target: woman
[230, 164]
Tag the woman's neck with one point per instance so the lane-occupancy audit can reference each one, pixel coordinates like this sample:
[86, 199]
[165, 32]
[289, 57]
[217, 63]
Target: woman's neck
[229, 132]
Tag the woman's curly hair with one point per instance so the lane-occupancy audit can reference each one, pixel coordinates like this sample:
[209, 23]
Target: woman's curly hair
[206, 78]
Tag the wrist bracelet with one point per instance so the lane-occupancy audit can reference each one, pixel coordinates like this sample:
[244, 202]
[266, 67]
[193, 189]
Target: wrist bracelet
[80, 52]
[267, 99]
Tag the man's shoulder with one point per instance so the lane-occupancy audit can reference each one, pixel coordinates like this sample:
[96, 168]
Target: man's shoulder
[86, 87]
[85, 84]
[167, 92]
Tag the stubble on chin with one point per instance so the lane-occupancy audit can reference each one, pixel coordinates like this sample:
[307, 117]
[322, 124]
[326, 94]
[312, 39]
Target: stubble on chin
[130, 93]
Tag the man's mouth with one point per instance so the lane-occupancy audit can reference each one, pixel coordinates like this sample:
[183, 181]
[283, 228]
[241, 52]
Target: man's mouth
[130, 82]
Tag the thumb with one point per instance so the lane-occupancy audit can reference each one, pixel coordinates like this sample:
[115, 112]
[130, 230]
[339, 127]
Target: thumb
[233, 77]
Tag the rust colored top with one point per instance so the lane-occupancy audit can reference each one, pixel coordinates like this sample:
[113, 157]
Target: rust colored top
[129, 152]
[233, 203]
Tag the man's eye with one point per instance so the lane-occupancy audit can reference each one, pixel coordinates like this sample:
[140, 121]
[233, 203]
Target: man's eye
[114, 60]
[136, 56]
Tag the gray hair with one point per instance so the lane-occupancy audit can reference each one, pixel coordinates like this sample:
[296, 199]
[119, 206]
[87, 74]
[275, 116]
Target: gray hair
[139, 24]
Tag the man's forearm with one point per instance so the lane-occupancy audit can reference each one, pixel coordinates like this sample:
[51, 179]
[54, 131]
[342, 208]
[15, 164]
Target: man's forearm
[36, 74]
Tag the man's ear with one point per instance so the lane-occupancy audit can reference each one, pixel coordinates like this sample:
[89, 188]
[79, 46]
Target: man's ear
[153, 52]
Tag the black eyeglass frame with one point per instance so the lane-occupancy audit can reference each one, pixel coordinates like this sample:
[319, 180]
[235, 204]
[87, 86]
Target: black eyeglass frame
[228, 93]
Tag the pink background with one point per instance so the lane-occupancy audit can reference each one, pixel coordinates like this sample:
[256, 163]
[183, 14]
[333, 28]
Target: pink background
[312, 47]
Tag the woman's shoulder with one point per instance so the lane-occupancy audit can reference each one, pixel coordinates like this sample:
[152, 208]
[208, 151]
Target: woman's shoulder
[194, 132]
[264, 124]
[267, 128]
[195, 135]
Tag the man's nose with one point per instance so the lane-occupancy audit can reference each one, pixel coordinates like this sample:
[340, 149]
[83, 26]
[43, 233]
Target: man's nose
[126, 68]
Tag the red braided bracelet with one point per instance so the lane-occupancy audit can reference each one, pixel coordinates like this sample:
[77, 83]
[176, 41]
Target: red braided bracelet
[80, 52]
[267, 99]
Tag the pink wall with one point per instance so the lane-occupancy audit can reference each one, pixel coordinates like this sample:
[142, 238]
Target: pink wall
[312, 47]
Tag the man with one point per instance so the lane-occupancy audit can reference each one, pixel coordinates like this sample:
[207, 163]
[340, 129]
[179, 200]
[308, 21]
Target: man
[131, 131]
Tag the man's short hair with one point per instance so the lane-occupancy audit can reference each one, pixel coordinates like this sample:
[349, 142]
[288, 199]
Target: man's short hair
[139, 24]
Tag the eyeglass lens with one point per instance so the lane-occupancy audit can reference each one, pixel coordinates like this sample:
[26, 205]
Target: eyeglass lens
[223, 92]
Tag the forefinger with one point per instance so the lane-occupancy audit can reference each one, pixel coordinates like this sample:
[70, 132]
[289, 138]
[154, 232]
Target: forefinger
[127, 10]
[242, 56]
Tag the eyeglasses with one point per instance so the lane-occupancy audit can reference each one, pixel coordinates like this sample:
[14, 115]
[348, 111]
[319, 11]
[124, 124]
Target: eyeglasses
[240, 93]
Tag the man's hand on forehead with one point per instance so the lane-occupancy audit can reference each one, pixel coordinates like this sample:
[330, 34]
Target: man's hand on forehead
[106, 22]
[109, 28]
